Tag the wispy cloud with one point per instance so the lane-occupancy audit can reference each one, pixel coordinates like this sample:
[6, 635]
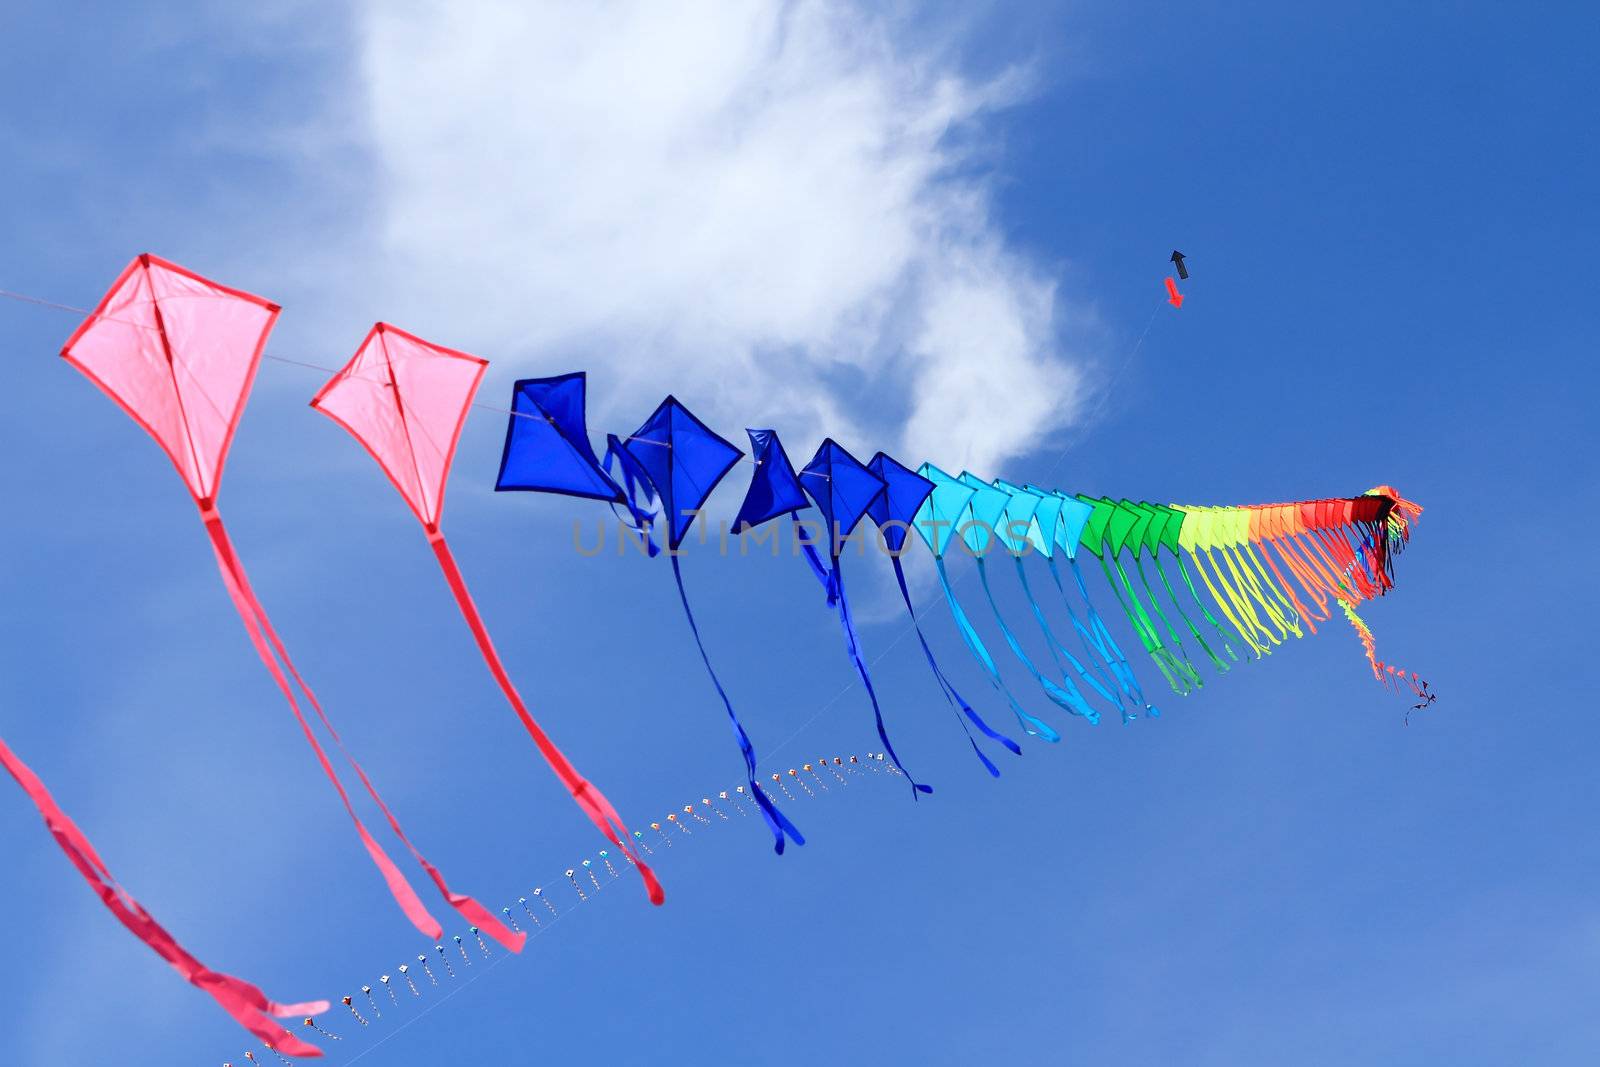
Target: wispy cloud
[780, 211]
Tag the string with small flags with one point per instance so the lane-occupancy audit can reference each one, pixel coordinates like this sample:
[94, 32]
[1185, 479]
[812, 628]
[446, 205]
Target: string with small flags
[396, 998]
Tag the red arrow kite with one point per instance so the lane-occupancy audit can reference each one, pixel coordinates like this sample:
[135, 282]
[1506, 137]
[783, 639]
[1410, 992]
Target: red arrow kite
[406, 400]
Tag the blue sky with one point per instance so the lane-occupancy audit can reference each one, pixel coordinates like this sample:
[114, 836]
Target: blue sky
[941, 234]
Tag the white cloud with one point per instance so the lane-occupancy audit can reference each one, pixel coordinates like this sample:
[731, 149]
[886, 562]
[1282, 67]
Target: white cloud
[773, 210]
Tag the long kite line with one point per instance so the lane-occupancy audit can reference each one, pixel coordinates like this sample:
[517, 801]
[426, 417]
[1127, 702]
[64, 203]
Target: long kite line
[179, 353]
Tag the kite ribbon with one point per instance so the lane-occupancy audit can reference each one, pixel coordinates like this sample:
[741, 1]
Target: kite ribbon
[1108, 647]
[1035, 726]
[854, 646]
[1194, 593]
[1107, 668]
[954, 698]
[814, 559]
[1216, 661]
[777, 822]
[238, 583]
[247, 1004]
[635, 481]
[1182, 680]
[589, 799]
[1069, 700]
[1057, 649]
[252, 614]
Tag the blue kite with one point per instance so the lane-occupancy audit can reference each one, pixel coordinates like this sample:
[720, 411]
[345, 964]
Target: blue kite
[844, 490]
[684, 459]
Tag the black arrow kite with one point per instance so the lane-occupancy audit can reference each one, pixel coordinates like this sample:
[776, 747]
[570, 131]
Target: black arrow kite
[1177, 259]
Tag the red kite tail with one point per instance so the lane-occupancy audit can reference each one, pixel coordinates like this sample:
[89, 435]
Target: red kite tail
[588, 798]
[250, 611]
[243, 1001]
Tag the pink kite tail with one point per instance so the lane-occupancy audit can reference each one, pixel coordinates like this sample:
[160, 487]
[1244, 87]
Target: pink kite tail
[590, 799]
[243, 1001]
[469, 909]
[401, 889]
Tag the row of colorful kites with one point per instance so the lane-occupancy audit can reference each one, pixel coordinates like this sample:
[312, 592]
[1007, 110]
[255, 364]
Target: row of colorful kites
[179, 353]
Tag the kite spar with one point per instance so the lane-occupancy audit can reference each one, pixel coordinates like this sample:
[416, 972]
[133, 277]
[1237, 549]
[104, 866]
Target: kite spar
[405, 400]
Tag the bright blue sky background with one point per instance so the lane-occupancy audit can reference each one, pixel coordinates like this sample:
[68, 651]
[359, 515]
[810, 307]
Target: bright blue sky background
[1389, 219]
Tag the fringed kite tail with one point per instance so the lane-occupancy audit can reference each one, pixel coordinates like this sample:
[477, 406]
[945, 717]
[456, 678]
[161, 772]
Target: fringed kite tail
[1217, 662]
[1222, 634]
[955, 699]
[1230, 603]
[819, 569]
[1067, 699]
[1155, 606]
[1301, 612]
[1058, 650]
[776, 821]
[247, 1005]
[1386, 674]
[1101, 662]
[469, 909]
[1034, 726]
[1180, 675]
[590, 800]
[1258, 586]
[853, 645]
[1111, 651]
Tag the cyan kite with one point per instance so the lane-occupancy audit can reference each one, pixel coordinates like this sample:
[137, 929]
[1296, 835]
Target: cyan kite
[893, 512]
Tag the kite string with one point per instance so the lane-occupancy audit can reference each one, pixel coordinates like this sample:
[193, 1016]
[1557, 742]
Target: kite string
[56, 306]
[898, 637]
[1105, 394]
[41, 302]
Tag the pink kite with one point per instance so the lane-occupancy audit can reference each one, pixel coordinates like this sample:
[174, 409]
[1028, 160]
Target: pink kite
[247, 1004]
[406, 400]
[178, 353]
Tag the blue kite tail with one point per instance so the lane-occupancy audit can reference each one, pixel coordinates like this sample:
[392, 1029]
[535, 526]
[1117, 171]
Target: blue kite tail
[777, 822]
[854, 647]
[1071, 701]
[1034, 726]
[1057, 649]
[1100, 660]
[818, 568]
[952, 697]
[635, 480]
[1108, 647]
